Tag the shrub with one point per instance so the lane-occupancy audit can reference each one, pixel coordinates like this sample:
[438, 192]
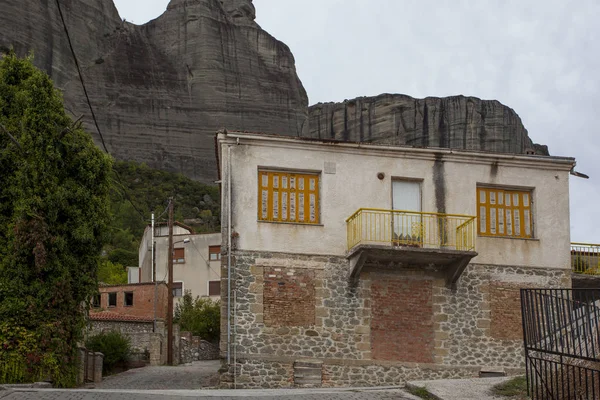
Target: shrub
[114, 345]
[201, 316]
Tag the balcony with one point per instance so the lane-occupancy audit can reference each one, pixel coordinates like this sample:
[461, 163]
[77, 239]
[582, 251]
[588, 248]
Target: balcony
[411, 238]
[585, 258]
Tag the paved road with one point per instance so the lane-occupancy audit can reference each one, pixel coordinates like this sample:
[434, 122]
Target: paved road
[280, 394]
[186, 382]
[198, 375]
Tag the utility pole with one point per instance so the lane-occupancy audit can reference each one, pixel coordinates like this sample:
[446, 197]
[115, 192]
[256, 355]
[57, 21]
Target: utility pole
[170, 288]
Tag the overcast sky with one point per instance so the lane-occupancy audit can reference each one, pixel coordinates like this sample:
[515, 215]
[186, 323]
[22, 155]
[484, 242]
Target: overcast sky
[540, 58]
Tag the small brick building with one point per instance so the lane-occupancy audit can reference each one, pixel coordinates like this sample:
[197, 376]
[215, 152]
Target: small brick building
[131, 309]
[136, 299]
[358, 264]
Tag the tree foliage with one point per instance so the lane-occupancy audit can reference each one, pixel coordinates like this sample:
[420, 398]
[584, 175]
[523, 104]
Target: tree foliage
[141, 189]
[54, 209]
[201, 316]
[111, 274]
[115, 347]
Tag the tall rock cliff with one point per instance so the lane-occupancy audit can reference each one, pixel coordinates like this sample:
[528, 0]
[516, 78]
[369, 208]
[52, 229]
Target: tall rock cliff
[456, 122]
[161, 90]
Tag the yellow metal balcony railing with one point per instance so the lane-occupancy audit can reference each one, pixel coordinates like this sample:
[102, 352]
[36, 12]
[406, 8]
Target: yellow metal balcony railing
[410, 228]
[585, 258]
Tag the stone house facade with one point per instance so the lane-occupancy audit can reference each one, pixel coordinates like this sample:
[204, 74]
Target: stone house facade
[357, 264]
[196, 260]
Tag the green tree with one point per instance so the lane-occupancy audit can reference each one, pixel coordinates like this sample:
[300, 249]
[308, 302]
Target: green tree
[201, 316]
[54, 210]
[111, 274]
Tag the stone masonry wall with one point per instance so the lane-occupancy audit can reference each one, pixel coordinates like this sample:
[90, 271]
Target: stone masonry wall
[375, 332]
[192, 348]
[468, 318]
[142, 338]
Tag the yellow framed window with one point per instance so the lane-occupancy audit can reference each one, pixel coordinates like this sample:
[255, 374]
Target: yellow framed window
[504, 212]
[288, 197]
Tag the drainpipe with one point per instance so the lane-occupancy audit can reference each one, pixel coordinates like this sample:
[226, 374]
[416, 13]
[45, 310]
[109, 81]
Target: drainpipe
[235, 336]
[152, 273]
[229, 256]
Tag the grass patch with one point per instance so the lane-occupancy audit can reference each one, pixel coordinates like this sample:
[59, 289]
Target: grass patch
[515, 388]
[420, 392]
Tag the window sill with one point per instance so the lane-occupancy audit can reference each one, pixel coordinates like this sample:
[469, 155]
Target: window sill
[288, 223]
[508, 237]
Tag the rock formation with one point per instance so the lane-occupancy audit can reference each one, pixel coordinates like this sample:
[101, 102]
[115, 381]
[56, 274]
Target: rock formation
[161, 90]
[456, 122]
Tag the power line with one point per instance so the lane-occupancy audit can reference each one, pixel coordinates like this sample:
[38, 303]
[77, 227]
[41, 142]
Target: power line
[62, 18]
[89, 103]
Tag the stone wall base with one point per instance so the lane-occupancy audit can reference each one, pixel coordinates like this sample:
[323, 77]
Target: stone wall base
[253, 373]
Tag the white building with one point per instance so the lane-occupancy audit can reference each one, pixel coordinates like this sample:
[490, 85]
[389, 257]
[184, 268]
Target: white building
[371, 263]
[196, 260]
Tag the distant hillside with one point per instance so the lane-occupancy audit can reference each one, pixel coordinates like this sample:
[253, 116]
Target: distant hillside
[149, 189]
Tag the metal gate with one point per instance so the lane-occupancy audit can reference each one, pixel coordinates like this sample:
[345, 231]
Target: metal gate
[562, 343]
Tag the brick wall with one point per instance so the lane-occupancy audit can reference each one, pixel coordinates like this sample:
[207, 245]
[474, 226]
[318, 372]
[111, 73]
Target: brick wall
[289, 297]
[505, 307]
[143, 300]
[402, 320]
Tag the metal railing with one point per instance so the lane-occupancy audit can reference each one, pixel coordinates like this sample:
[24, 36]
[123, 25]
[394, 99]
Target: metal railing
[585, 258]
[411, 228]
[561, 332]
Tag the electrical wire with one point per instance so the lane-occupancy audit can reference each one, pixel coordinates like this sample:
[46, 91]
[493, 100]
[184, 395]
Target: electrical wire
[89, 103]
[62, 18]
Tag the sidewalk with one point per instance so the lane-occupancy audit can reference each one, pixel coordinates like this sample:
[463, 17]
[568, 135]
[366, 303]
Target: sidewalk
[461, 389]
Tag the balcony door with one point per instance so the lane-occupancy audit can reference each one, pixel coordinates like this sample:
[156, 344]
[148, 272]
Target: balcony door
[407, 223]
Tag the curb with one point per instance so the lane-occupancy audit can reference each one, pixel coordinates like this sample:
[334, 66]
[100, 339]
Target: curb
[412, 386]
[5, 391]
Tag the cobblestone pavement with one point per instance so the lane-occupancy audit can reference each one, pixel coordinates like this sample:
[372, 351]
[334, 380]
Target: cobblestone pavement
[185, 382]
[197, 375]
[94, 394]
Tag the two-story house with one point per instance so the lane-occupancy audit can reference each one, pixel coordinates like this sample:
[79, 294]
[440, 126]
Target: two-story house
[358, 264]
[196, 260]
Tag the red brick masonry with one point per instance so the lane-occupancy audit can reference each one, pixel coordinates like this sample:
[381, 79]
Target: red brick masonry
[402, 320]
[505, 304]
[143, 302]
[289, 297]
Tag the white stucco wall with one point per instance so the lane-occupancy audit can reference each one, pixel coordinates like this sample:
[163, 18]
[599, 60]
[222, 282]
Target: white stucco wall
[355, 185]
[195, 272]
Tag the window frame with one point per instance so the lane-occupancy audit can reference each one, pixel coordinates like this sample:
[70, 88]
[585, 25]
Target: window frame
[502, 228]
[284, 212]
[179, 260]
[176, 288]
[208, 288]
[216, 254]
[125, 294]
[108, 299]
[97, 300]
